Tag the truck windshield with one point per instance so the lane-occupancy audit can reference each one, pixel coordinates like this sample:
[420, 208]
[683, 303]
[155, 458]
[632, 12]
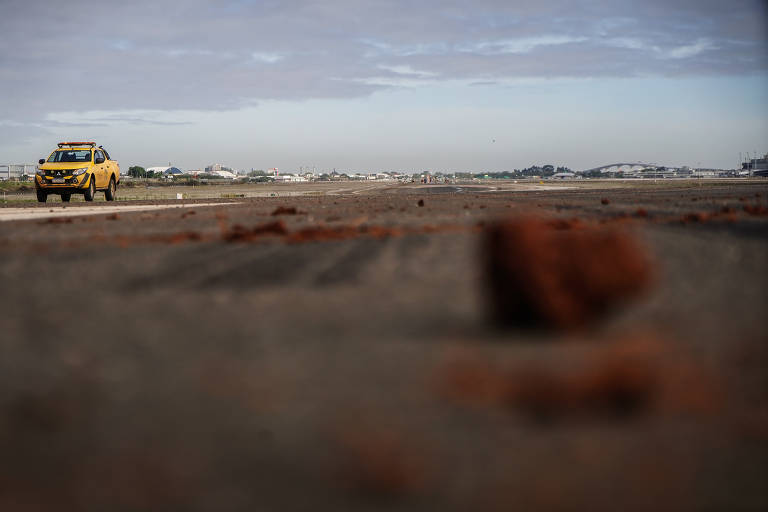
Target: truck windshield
[70, 155]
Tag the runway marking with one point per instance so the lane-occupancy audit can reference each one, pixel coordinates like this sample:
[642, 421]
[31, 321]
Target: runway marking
[8, 214]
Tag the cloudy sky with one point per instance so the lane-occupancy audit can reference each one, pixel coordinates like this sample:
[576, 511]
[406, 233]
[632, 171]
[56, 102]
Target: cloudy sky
[370, 85]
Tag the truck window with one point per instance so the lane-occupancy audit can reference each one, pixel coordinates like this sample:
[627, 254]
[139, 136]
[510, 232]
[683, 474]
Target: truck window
[70, 155]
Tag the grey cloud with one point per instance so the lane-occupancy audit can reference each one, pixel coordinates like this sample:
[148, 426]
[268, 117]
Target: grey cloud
[197, 55]
[20, 132]
[110, 121]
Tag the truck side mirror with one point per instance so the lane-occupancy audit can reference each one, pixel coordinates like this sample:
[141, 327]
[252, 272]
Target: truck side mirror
[99, 160]
[41, 161]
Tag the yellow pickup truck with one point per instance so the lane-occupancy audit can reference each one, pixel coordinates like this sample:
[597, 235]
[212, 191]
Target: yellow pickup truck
[77, 168]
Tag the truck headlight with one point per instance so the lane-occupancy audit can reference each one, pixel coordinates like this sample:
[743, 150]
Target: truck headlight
[40, 173]
[78, 172]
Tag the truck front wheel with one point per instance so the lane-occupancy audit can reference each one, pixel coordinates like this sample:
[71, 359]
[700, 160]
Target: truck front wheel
[42, 195]
[91, 190]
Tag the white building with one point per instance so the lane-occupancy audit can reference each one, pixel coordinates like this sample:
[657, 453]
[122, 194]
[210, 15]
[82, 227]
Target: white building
[16, 171]
[292, 178]
[223, 174]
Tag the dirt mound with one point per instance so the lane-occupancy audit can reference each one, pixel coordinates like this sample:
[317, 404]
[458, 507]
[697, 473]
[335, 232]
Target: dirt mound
[624, 378]
[57, 220]
[238, 233]
[285, 210]
[326, 233]
[545, 274]
[756, 209]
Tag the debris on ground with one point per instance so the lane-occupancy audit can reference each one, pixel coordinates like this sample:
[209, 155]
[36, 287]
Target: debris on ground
[58, 220]
[755, 209]
[695, 218]
[285, 210]
[625, 378]
[238, 233]
[542, 276]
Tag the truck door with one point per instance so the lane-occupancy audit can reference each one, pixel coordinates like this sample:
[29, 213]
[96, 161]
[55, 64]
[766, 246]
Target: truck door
[110, 167]
[100, 169]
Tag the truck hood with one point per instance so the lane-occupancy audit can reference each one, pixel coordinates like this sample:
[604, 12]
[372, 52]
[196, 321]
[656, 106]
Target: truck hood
[64, 166]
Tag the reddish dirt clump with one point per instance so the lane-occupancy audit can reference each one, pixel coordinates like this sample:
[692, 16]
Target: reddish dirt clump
[285, 210]
[605, 200]
[573, 223]
[611, 387]
[542, 277]
[112, 216]
[323, 233]
[238, 233]
[620, 378]
[641, 212]
[326, 233]
[420, 203]
[695, 218]
[616, 382]
[58, 220]
[380, 232]
[756, 209]
[184, 236]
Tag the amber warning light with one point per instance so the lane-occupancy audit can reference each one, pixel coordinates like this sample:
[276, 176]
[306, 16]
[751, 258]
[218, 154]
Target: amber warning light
[92, 144]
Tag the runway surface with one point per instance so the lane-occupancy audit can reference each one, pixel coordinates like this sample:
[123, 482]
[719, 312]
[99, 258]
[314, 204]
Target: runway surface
[336, 352]
[7, 214]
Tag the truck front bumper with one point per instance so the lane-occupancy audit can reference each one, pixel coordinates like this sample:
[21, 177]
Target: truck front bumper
[71, 184]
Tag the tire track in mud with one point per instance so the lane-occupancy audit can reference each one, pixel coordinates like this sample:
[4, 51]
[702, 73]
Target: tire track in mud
[243, 267]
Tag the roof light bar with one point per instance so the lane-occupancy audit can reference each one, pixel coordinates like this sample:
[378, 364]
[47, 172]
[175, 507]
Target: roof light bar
[92, 144]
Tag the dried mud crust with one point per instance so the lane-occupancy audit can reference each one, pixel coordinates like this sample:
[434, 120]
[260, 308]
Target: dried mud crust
[342, 358]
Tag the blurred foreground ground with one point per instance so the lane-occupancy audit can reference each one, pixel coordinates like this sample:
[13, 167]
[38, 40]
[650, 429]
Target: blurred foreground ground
[340, 356]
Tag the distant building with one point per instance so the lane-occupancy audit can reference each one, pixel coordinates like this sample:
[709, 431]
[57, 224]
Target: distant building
[757, 166]
[167, 171]
[704, 173]
[223, 174]
[290, 178]
[17, 171]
